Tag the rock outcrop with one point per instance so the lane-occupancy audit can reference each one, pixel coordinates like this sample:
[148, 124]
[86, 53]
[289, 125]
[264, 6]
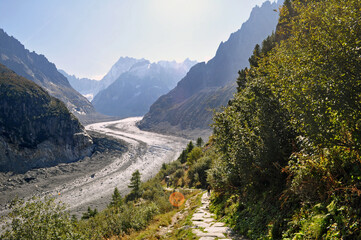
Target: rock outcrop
[36, 130]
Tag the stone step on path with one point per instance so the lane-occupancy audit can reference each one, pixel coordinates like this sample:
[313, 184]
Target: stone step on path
[206, 227]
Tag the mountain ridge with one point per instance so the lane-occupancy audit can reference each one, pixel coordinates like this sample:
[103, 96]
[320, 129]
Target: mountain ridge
[220, 71]
[38, 69]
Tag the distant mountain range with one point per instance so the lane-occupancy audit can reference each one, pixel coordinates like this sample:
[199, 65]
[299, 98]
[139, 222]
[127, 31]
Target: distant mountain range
[36, 130]
[134, 90]
[89, 87]
[188, 108]
[131, 85]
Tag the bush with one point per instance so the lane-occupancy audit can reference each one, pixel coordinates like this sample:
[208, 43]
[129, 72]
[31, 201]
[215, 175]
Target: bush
[194, 155]
[39, 219]
[198, 172]
[137, 217]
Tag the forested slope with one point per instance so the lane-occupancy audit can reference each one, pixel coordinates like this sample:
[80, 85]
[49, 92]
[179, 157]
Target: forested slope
[289, 142]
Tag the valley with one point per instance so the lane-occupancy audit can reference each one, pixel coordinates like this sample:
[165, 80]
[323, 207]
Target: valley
[122, 149]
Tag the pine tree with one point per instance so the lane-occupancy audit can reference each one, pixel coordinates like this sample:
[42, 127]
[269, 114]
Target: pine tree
[200, 142]
[135, 185]
[190, 147]
[253, 60]
[183, 156]
[268, 44]
[242, 79]
[117, 200]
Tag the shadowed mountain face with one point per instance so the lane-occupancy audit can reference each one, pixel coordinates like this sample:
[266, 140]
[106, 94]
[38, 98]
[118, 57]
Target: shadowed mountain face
[132, 93]
[36, 130]
[38, 69]
[207, 86]
[85, 86]
[89, 88]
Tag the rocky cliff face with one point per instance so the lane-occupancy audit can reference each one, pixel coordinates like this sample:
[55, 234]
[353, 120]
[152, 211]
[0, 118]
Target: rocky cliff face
[36, 130]
[208, 86]
[38, 69]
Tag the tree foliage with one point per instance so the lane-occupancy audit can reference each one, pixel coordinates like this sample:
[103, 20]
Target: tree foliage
[194, 155]
[190, 147]
[117, 200]
[254, 137]
[135, 185]
[200, 142]
[89, 213]
[297, 113]
[316, 72]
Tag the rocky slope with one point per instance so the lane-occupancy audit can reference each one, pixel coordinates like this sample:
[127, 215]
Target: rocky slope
[37, 130]
[38, 69]
[136, 89]
[188, 107]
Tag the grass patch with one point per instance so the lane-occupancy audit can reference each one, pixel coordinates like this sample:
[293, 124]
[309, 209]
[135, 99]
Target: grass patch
[183, 229]
[164, 220]
[151, 232]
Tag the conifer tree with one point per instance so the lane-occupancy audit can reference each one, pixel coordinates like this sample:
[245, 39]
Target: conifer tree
[183, 156]
[117, 200]
[190, 147]
[200, 142]
[135, 185]
[253, 60]
[242, 79]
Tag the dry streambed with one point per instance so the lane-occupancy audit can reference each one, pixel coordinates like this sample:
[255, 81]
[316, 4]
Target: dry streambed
[91, 181]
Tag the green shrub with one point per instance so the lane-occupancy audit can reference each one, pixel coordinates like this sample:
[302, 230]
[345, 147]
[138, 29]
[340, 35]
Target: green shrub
[39, 219]
[89, 213]
[137, 217]
[194, 155]
[198, 172]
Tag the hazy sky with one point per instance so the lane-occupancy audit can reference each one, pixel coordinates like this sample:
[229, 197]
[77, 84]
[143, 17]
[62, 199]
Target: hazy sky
[86, 37]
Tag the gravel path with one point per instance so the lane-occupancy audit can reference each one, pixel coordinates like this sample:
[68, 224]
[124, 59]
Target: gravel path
[207, 228]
